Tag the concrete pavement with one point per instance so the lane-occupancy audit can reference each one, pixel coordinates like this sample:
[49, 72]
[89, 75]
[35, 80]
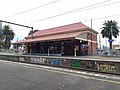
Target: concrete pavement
[21, 76]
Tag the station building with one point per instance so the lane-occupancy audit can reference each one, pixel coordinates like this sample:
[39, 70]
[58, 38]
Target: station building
[69, 40]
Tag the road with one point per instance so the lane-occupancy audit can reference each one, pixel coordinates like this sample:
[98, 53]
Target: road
[21, 76]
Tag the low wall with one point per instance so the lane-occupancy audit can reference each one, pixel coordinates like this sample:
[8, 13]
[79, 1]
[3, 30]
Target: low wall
[74, 63]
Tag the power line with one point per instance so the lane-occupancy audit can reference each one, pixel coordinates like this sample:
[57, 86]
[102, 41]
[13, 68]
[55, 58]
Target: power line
[49, 4]
[98, 6]
[99, 18]
[72, 11]
[30, 9]
[115, 15]
[107, 17]
[102, 17]
[81, 9]
[90, 6]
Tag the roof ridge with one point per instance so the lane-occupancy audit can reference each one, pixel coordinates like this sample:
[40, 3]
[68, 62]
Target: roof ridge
[59, 29]
[61, 26]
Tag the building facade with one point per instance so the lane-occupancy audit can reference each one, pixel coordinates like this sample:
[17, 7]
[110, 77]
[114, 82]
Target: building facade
[69, 40]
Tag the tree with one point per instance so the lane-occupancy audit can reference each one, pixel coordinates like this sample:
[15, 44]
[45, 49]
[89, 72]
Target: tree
[1, 34]
[1, 38]
[109, 29]
[8, 36]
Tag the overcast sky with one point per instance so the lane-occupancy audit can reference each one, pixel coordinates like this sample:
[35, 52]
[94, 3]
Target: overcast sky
[43, 14]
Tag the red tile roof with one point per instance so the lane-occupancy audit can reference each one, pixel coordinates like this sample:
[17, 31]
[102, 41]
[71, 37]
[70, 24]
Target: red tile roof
[60, 29]
[58, 33]
[51, 37]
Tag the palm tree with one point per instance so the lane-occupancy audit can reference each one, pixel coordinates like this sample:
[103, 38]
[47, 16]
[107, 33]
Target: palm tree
[109, 29]
[8, 36]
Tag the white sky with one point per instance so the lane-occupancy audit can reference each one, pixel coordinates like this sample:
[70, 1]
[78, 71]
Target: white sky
[8, 9]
